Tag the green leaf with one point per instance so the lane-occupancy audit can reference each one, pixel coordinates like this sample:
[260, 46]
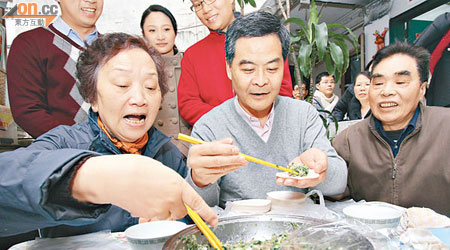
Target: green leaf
[337, 55]
[321, 38]
[344, 48]
[329, 64]
[334, 36]
[295, 39]
[304, 59]
[312, 37]
[251, 2]
[353, 39]
[299, 22]
[241, 3]
[313, 14]
[338, 58]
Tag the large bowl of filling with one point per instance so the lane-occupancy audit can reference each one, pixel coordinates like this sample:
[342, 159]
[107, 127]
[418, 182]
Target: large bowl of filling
[273, 232]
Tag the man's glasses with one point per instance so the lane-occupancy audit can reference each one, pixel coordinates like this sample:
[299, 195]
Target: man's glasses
[197, 6]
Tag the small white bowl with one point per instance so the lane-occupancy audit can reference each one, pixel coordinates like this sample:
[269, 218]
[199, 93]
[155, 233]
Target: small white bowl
[152, 235]
[251, 206]
[377, 215]
[283, 199]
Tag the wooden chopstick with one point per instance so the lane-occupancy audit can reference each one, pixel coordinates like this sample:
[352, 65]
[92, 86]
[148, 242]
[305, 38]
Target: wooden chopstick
[193, 140]
[210, 236]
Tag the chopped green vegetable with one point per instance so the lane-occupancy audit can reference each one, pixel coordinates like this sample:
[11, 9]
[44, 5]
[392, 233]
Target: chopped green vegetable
[301, 169]
[273, 243]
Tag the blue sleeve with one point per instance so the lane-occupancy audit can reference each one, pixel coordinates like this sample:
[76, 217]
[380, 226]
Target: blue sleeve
[171, 156]
[26, 175]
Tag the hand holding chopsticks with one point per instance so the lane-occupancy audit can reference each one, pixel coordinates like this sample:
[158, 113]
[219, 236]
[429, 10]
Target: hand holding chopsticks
[210, 236]
[193, 140]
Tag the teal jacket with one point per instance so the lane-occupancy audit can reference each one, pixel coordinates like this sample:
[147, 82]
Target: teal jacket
[28, 174]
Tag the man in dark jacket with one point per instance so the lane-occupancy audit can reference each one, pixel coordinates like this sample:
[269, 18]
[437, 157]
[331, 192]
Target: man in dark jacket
[399, 154]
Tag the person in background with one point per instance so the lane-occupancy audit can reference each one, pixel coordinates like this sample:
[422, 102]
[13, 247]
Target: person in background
[260, 123]
[305, 90]
[204, 83]
[355, 107]
[159, 28]
[111, 171]
[324, 98]
[399, 154]
[41, 68]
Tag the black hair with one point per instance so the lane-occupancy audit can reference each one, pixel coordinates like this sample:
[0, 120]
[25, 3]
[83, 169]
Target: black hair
[165, 11]
[364, 73]
[421, 55]
[368, 65]
[306, 82]
[319, 76]
[256, 24]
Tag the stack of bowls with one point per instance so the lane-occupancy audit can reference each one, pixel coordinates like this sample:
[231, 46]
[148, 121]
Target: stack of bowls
[152, 235]
[374, 214]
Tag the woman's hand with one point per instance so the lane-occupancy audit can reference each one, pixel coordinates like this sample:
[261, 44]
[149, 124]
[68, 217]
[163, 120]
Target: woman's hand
[139, 184]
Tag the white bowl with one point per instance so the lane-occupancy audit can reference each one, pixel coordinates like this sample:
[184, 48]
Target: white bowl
[152, 235]
[251, 206]
[284, 199]
[377, 215]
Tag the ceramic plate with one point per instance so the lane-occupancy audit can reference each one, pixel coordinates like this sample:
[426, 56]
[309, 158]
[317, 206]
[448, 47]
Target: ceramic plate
[311, 175]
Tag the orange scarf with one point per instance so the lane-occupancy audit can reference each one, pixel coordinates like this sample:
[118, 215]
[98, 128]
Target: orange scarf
[128, 147]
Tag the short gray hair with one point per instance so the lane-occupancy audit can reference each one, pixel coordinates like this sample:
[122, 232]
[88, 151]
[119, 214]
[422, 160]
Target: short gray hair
[256, 24]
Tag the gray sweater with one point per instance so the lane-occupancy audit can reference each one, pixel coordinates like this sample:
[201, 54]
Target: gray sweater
[296, 128]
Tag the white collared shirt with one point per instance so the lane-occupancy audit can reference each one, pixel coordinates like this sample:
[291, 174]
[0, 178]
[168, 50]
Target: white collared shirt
[64, 28]
[253, 122]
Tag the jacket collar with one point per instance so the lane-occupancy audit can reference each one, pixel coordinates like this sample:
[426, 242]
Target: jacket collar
[156, 139]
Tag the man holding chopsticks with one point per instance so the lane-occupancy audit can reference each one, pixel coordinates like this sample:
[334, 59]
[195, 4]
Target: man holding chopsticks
[260, 123]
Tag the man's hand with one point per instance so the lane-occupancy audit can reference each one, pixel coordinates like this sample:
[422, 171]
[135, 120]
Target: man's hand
[210, 161]
[139, 184]
[314, 159]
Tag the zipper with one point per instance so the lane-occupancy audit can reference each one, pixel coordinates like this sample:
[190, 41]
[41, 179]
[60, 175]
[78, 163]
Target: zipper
[394, 171]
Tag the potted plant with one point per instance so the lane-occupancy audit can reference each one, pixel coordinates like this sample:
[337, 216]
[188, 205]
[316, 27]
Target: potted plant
[315, 42]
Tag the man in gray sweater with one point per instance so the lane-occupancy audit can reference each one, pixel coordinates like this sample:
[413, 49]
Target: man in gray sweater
[260, 123]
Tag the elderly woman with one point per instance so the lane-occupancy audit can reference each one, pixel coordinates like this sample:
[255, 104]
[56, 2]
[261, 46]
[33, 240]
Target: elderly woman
[109, 171]
[354, 105]
[159, 28]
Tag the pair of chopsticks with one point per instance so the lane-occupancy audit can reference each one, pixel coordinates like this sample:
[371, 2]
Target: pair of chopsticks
[212, 238]
[193, 140]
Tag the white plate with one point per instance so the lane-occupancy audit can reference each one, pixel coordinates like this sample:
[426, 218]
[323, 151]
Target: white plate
[311, 175]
